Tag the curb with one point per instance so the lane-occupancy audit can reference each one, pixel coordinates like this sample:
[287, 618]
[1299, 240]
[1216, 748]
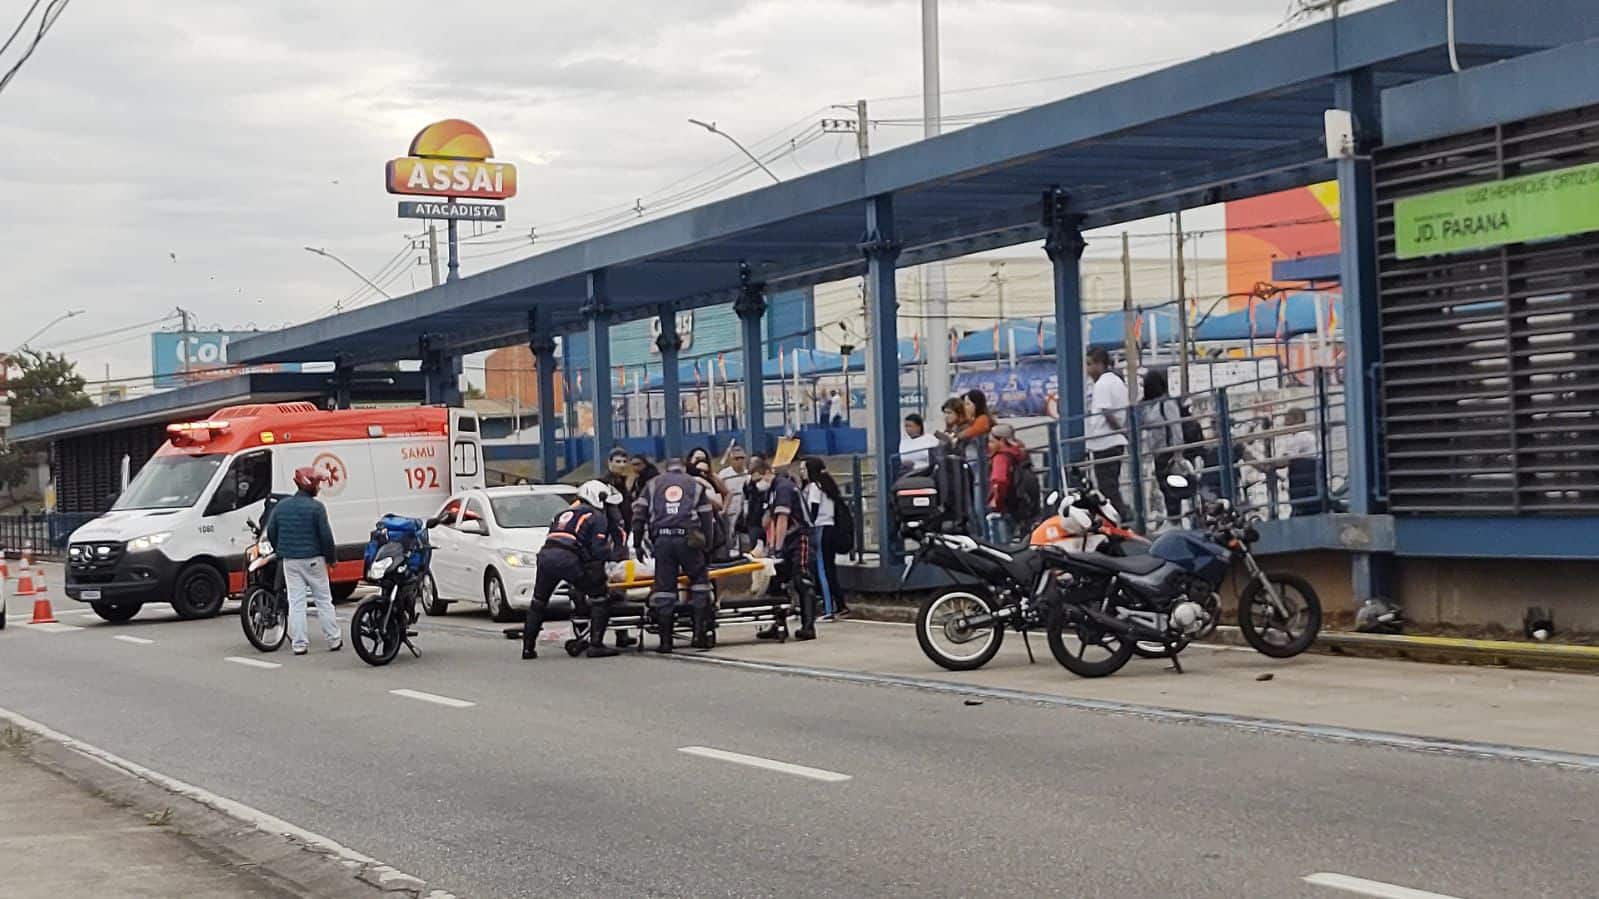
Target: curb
[282, 854]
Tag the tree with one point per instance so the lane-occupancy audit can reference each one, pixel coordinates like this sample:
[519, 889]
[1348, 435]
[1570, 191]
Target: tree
[48, 384]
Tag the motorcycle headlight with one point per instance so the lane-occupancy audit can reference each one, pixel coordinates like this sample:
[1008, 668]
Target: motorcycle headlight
[148, 541]
[264, 547]
[380, 567]
[516, 559]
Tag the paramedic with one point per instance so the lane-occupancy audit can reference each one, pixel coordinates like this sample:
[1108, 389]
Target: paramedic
[789, 536]
[675, 509]
[581, 541]
[298, 528]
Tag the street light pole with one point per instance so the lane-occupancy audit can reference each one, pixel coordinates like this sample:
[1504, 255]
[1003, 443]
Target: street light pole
[711, 127]
[935, 298]
[71, 313]
[351, 270]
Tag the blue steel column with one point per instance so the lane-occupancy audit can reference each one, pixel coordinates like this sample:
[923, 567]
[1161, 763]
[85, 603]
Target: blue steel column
[1064, 245]
[343, 374]
[750, 307]
[669, 343]
[598, 313]
[441, 375]
[541, 340]
[1357, 93]
[881, 248]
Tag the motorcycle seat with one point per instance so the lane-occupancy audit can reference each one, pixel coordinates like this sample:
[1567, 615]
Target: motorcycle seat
[1009, 549]
[1144, 564]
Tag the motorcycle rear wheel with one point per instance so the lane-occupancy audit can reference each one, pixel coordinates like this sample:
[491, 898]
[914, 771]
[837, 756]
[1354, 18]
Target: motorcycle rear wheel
[947, 644]
[264, 615]
[376, 644]
[1113, 650]
[1266, 631]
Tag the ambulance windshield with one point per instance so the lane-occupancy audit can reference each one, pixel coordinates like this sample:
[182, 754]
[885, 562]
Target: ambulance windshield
[170, 482]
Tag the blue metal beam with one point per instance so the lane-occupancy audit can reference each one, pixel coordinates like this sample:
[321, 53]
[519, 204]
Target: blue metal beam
[881, 248]
[1523, 537]
[1065, 246]
[750, 307]
[598, 312]
[1534, 85]
[669, 343]
[541, 340]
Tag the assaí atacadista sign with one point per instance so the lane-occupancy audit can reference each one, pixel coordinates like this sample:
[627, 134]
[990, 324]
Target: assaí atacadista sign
[1556, 203]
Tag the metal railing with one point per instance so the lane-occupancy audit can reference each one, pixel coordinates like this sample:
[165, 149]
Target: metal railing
[42, 536]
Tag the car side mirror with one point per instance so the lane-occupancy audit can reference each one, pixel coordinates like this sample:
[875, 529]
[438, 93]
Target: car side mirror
[434, 521]
[474, 527]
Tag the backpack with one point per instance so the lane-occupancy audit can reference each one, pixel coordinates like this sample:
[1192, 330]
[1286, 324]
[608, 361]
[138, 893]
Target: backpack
[841, 538]
[1026, 496]
[1192, 431]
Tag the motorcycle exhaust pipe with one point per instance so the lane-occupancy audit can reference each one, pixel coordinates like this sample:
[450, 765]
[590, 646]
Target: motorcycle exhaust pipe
[1120, 626]
[976, 621]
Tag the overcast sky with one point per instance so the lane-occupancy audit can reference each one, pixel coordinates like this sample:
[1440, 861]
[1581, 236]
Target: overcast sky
[181, 153]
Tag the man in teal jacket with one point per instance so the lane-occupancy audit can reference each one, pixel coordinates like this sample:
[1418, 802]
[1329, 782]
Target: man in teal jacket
[302, 538]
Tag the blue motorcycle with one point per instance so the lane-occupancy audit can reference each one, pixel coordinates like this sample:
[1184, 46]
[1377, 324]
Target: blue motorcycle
[397, 559]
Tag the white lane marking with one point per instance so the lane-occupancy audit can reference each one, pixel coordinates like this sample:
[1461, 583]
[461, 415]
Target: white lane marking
[755, 761]
[1369, 887]
[237, 810]
[127, 639]
[253, 663]
[434, 698]
[54, 628]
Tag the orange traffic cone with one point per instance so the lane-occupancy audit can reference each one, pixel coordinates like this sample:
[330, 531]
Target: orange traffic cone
[25, 582]
[42, 613]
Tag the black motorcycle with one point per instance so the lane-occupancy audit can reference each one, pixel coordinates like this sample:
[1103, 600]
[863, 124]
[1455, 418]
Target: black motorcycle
[1171, 596]
[397, 559]
[962, 626]
[264, 615]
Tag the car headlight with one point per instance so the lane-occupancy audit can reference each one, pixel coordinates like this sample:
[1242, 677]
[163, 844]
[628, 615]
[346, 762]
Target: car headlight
[516, 559]
[380, 567]
[149, 541]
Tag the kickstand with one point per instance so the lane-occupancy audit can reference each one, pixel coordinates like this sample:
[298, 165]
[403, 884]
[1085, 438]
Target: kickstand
[417, 653]
[1175, 665]
[1029, 645]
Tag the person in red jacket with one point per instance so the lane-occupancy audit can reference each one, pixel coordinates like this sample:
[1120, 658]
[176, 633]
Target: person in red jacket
[1005, 456]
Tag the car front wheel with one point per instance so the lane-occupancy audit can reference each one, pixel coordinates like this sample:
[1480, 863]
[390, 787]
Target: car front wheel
[494, 597]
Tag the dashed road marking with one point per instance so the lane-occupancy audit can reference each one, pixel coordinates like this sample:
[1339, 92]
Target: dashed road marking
[1364, 887]
[253, 663]
[127, 639]
[434, 698]
[755, 761]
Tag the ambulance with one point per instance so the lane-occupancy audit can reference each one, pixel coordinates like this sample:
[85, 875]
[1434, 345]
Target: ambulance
[178, 533]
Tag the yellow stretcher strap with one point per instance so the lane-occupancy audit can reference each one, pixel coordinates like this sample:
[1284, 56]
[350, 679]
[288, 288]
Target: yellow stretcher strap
[749, 567]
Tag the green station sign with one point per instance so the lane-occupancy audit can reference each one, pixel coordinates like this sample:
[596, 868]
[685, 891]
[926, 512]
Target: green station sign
[1557, 203]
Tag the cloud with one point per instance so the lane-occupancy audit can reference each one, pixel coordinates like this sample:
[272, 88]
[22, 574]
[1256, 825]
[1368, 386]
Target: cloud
[236, 134]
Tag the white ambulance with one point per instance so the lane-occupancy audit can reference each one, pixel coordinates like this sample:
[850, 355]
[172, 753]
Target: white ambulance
[178, 533]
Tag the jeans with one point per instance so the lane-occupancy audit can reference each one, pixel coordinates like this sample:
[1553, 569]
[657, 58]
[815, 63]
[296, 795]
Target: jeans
[827, 571]
[307, 580]
[1108, 476]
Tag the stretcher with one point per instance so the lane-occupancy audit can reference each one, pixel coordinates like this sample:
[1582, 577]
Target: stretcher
[630, 586]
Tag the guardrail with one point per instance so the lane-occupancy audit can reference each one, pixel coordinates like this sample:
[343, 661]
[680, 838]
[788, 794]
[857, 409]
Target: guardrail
[42, 536]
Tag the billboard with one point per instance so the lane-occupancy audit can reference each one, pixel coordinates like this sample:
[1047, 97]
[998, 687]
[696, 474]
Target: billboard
[1028, 389]
[451, 159]
[177, 359]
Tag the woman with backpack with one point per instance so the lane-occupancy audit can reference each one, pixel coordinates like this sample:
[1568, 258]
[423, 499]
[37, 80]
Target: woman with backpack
[1162, 418]
[828, 513]
[1012, 488]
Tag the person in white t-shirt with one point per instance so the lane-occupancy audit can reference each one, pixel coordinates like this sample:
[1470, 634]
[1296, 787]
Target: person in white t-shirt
[821, 497]
[916, 447]
[1106, 440]
[734, 476]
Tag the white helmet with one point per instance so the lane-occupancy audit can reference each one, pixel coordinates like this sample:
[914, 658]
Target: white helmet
[598, 494]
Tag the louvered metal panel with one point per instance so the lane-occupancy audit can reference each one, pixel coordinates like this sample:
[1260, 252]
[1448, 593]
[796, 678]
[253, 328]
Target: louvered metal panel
[1490, 359]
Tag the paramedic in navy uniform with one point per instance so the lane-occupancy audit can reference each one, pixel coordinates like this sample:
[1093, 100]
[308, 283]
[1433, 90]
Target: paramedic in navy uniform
[675, 509]
[581, 541]
[789, 538]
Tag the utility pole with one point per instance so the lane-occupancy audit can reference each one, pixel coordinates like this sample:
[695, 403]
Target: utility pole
[185, 325]
[1182, 310]
[433, 250]
[1129, 338]
[935, 296]
[862, 142]
[1010, 338]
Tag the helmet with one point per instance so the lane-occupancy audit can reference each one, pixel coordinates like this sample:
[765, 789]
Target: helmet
[599, 494]
[308, 479]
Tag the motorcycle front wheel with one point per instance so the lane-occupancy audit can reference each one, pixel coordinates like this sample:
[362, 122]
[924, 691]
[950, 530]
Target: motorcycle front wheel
[375, 642]
[265, 619]
[946, 642]
[1084, 649]
[1271, 632]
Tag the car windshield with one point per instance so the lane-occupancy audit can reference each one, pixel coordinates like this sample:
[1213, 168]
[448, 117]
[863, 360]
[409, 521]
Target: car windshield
[529, 510]
[170, 482]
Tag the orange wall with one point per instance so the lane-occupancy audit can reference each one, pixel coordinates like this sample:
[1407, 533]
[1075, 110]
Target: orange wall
[1286, 225]
[511, 368]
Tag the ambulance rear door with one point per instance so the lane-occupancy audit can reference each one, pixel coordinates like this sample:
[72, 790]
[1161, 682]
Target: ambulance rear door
[466, 452]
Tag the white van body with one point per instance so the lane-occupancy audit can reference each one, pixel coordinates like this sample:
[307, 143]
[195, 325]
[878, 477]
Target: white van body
[178, 533]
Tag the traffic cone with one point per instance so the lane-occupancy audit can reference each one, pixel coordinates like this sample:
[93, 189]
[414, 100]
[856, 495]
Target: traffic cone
[25, 582]
[42, 613]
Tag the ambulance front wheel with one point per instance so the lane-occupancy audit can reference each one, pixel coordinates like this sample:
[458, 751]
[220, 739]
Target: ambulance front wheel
[343, 591]
[199, 592]
[116, 614]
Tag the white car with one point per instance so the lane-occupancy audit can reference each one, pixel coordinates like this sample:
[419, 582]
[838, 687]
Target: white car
[486, 546]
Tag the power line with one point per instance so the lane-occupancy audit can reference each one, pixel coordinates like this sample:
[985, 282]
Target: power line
[112, 332]
[46, 22]
[20, 25]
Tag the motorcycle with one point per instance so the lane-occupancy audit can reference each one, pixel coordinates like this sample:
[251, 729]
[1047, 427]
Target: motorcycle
[397, 559]
[1170, 596]
[264, 614]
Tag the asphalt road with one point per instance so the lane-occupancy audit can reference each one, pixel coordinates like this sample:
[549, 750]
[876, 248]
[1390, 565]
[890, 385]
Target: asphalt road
[568, 775]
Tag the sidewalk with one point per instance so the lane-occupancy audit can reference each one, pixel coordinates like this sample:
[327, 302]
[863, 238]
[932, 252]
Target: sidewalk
[1532, 709]
[60, 840]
